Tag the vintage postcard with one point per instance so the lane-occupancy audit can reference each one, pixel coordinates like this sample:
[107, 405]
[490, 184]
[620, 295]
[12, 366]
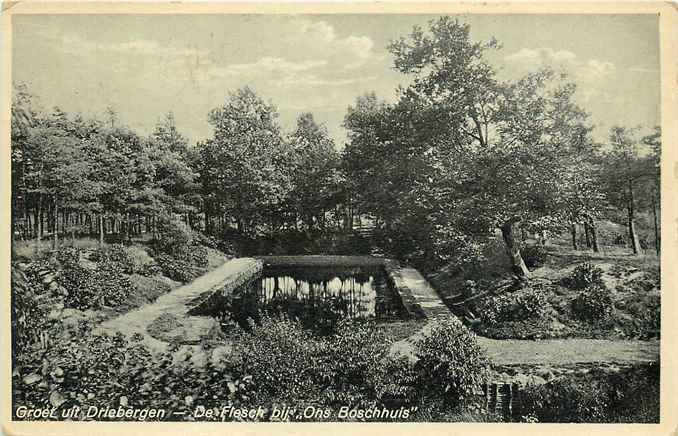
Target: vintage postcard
[297, 218]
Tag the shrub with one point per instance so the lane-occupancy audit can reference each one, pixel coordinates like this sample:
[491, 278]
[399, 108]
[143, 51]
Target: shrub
[396, 383]
[519, 306]
[68, 255]
[177, 269]
[197, 255]
[566, 400]
[593, 304]
[112, 371]
[584, 276]
[29, 319]
[174, 236]
[635, 394]
[534, 255]
[115, 253]
[644, 319]
[138, 260]
[279, 355]
[289, 365]
[450, 362]
[207, 241]
[105, 286]
[631, 395]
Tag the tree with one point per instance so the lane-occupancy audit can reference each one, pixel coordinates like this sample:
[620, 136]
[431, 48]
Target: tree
[516, 137]
[314, 172]
[624, 173]
[246, 163]
[651, 188]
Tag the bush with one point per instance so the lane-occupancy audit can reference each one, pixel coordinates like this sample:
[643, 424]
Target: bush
[289, 365]
[593, 304]
[29, 319]
[534, 255]
[566, 400]
[519, 306]
[584, 276]
[138, 260]
[68, 255]
[106, 286]
[114, 253]
[631, 396]
[197, 255]
[178, 269]
[111, 371]
[635, 394]
[174, 236]
[450, 362]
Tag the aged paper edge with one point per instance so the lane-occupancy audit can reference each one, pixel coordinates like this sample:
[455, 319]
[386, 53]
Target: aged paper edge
[668, 29]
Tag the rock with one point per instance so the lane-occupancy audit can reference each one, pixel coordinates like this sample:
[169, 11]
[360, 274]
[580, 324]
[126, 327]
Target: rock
[32, 379]
[56, 399]
[220, 353]
[71, 318]
[68, 313]
[54, 314]
[199, 359]
[48, 278]
[231, 387]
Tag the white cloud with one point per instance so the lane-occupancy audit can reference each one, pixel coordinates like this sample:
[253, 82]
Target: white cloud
[541, 55]
[643, 69]
[594, 69]
[77, 45]
[312, 80]
[585, 71]
[268, 64]
[319, 53]
[318, 30]
[321, 36]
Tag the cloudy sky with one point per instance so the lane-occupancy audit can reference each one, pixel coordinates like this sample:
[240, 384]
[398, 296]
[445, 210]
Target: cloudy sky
[147, 65]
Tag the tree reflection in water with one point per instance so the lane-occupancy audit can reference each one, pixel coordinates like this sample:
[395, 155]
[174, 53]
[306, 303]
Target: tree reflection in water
[318, 297]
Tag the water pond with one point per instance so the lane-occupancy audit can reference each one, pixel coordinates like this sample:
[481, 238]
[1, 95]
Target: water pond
[319, 297]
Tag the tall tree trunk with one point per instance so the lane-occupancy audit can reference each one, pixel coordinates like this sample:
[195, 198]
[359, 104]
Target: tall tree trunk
[657, 239]
[38, 219]
[55, 240]
[517, 263]
[586, 233]
[594, 235]
[101, 230]
[74, 221]
[128, 227]
[633, 235]
[573, 230]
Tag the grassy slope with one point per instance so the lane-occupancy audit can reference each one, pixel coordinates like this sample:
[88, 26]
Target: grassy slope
[146, 289]
[633, 281]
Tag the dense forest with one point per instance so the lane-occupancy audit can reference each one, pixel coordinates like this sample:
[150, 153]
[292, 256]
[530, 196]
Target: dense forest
[457, 158]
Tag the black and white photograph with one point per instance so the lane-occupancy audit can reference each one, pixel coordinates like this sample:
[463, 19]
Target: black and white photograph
[335, 218]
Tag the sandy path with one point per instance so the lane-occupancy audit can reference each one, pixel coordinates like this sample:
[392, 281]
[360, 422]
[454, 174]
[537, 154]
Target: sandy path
[569, 351]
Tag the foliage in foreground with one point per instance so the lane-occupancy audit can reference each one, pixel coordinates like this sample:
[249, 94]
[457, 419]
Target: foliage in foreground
[278, 363]
[630, 396]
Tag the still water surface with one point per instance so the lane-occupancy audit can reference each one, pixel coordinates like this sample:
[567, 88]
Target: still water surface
[319, 297]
